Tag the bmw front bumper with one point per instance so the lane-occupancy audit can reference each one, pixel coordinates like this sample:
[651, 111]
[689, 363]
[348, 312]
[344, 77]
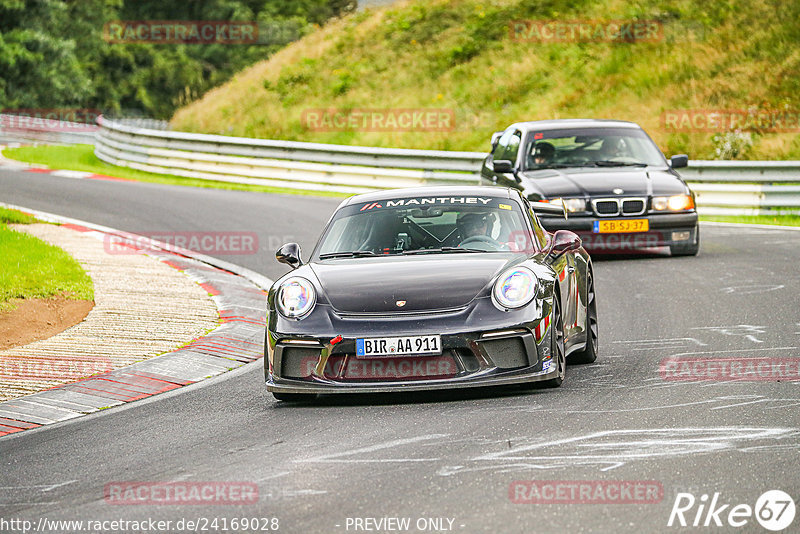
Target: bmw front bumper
[665, 229]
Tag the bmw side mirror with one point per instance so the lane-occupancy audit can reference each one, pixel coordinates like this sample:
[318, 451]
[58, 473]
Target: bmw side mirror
[564, 241]
[503, 166]
[290, 255]
[679, 161]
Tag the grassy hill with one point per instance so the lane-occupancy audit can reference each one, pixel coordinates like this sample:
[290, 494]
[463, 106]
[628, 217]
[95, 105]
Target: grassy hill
[459, 55]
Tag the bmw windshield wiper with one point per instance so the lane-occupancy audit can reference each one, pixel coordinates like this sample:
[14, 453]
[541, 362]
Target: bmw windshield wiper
[603, 163]
[554, 166]
[350, 254]
[442, 249]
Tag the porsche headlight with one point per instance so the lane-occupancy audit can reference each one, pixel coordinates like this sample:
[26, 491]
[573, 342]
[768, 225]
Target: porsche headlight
[673, 203]
[296, 297]
[515, 288]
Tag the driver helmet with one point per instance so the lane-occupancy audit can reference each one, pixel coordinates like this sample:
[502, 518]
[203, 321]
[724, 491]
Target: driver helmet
[471, 224]
[543, 153]
[615, 147]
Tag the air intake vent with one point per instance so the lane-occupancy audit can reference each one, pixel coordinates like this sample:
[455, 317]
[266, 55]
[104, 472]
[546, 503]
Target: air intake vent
[633, 206]
[507, 353]
[606, 207]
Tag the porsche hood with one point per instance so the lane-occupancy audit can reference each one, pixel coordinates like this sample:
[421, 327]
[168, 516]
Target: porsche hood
[408, 283]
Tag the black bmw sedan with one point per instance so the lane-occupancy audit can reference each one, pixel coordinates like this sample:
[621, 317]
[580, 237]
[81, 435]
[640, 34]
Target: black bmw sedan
[621, 193]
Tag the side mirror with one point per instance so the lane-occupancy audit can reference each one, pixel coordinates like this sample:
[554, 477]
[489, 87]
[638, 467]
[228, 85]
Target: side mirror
[679, 161]
[503, 166]
[564, 241]
[290, 255]
[495, 138]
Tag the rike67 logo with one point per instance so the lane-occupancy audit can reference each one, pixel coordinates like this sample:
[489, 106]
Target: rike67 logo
[774, 510]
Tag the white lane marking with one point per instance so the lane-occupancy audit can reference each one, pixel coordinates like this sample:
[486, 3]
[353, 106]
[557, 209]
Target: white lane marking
[668, 343]
[731, 350]
[338, 457]
[614, 448]
[752, 289]
[45, 487]
[273, 476]
[78, 175]
[746, 330]
[662, 407]
[300, 492]
[41, 503]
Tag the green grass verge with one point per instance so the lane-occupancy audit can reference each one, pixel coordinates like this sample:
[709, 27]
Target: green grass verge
[82, 158]
[31, 268]
[780, 220]
[8, 216]
[479, 61]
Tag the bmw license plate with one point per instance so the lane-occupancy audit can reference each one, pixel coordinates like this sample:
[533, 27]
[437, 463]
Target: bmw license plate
[398, 346]
[621, 226]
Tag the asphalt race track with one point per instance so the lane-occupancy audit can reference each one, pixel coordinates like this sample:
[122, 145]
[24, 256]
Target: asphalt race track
[452, 456]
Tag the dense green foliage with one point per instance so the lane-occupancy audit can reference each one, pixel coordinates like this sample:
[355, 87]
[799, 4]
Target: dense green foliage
[53, 53]
[460, 55]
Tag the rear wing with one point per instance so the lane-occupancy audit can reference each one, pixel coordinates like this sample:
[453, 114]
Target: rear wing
[556, 207]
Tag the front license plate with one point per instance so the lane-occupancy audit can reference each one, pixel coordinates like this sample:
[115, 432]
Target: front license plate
[621, 226]
[398, 346]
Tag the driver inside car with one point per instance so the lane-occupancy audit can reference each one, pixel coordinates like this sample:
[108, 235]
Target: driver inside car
[473, 224]
[543, 153]
[475, 231]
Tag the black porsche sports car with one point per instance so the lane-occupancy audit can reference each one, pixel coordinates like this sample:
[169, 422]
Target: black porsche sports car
[622, 195]
[428, 288]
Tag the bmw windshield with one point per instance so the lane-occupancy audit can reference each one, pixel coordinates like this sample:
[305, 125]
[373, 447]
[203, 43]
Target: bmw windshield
[595, 147]
[425, 225]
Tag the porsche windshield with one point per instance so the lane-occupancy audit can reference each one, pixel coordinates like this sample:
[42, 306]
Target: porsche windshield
[591, 147]
[427, 225]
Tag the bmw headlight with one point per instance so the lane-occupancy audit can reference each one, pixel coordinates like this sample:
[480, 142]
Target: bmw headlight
[515, 288]
[296, 297]
[574, 205]
[673, 203]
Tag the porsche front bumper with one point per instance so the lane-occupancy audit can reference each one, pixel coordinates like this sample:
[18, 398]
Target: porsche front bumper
[478, 350]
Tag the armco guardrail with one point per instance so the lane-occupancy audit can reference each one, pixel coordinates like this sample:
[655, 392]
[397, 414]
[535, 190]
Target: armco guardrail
[722, 187]
[745, 187]
[15, 128]
[310, 166]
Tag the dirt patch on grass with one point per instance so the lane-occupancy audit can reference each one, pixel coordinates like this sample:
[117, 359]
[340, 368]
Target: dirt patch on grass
[35, 319]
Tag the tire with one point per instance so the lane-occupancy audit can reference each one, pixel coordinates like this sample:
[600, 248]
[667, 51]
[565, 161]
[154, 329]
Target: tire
[292, 397]
[689, 249]
[557, 347]
[588, 354]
